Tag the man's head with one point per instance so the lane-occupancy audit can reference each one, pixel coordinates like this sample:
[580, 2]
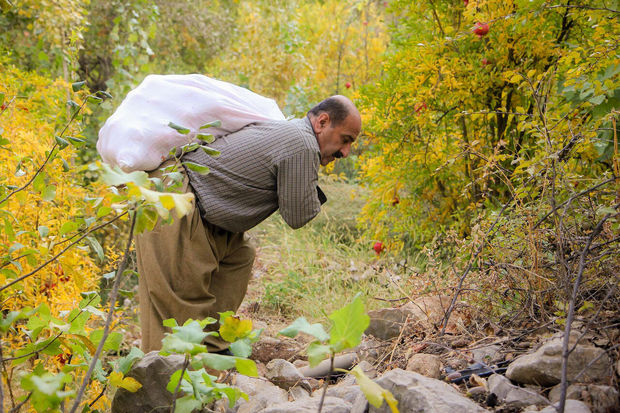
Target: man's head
[336, 123]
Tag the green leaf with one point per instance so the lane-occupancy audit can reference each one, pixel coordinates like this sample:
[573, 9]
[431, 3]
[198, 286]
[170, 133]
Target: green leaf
[318, 352]
[78, 85]
[187, 404]
[217, 361]
[181, 129]
[62, 143]
[301, 325]
[67, 227]
[246, 367]
[94, 99]
[201, 169]
[185, 339]
[349, 323]
[210, 151]
[15, 247]
[241, 348]
[96, 246]
[77, 142]
[49, 193]
[213, 124]
[43, 231]
[124, 364]
[597, 100]
[115, 176]
[103, 211]
[112, 342]
[205, 137]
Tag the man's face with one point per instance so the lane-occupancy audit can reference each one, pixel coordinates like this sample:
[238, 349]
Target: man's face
[335, 142]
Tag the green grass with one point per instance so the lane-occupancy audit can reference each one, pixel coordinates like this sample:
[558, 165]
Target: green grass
[317, 269]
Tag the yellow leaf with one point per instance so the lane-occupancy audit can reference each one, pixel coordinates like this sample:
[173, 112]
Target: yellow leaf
[234, 328]
[374, 393]
[117, 379]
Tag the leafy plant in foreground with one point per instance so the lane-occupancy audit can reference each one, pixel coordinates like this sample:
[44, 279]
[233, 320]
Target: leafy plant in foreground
[199, 387]
[347, 326]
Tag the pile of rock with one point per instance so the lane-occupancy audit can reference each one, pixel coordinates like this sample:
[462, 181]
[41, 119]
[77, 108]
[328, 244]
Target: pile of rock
[531, 382]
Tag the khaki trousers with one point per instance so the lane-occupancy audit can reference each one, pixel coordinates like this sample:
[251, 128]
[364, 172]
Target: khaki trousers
[190, 269]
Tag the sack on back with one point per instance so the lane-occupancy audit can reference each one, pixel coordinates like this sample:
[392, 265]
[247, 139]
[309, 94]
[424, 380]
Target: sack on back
[137, 137]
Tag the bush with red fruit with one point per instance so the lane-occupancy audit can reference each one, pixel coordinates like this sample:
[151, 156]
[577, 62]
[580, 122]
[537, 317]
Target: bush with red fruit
[378, 247]
[481, 29]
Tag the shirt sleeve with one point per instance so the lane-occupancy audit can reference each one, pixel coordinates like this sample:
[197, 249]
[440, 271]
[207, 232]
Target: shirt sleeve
[297, 180]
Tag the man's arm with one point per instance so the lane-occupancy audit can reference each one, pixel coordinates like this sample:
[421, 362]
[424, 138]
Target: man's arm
[298, 193]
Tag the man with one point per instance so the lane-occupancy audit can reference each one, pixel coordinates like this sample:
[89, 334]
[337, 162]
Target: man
[201, 264]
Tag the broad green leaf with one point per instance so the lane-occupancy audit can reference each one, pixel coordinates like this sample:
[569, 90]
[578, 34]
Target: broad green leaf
[49, 193]
[205, 137]
[349, 323]
[181, 129]
[201, 169]
[217, 361]
[241, 348]
[43, 231]
[11, 317]
[246, 367]
[112, 342]
[62, 143]
[211, 151]
[233, 328]
[183, 203]
[78, 85]
[116, 378]
[185, 339]
[115, 176]
[170, 322]
[187, 404]
[373, 392]
[318, 352]
[96, 246]
[77, 142]
[124, 364]
[213, 124]
[67, 227]
[301, 325]
[103, 211]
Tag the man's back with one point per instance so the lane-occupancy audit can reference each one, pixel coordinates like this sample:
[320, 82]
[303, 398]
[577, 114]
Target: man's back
[263, 167]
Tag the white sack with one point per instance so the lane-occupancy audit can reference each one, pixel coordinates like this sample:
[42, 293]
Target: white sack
[137, 135]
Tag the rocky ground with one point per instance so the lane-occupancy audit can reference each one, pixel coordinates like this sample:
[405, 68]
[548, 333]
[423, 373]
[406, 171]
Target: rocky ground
[426, 372]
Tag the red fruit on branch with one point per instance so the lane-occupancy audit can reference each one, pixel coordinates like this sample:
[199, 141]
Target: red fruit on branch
[466, 2]
[395, 200]
[418, 108]
[485, 61]
[347, 85]
[378, 247]
[481, 29]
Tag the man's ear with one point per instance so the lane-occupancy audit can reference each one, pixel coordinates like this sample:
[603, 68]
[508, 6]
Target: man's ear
[322, 121]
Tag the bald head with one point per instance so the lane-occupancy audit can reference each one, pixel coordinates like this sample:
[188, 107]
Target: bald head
[338, 108]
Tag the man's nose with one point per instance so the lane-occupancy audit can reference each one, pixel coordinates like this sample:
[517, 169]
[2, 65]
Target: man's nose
[346, 149]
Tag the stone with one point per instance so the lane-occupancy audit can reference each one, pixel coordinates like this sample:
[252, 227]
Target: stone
[486, 354]
[371, 349]
[310, 405]
[153, 372]
[424, 313]
[420, 394]
[262, 393]
[572, 406]
[269, 348]
[599, 398]
[285, 375]
[426, 364]
[298, 393]
[348, 393]
[386, 323]
[513, 396]
[544, 366]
